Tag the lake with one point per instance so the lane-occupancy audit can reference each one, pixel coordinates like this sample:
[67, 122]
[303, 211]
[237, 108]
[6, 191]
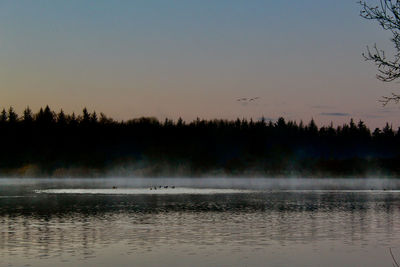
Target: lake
[199, 222]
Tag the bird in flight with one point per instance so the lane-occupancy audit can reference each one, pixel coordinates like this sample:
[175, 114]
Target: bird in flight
[245, 99]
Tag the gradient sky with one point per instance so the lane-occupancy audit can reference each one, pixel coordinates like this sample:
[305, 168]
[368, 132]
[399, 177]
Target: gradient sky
[194, 58]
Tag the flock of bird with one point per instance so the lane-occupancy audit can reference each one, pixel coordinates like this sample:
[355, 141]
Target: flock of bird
[166, 186]
[154, 187]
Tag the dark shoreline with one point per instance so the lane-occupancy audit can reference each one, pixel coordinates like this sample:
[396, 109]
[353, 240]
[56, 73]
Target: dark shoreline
[50, 144]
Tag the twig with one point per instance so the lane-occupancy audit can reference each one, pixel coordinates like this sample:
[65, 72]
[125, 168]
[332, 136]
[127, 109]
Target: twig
[395, 262]
[386, 99]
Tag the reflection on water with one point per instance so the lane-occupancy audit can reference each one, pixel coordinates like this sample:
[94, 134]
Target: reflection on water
[263, 228]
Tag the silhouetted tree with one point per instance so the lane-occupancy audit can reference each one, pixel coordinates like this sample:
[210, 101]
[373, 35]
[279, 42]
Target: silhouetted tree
[45, 117]
[377, 133]
[12, 116]
[61, 118]
[3, 116]
[93, 118]
[72, 120]
[387, 14]
[387, 131]
[180, 122]
[54, 141]
[312, 128]
[104, 120]
[28, 116]
[85, 117]
[281, 124]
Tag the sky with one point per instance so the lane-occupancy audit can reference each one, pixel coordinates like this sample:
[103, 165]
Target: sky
[194, 59]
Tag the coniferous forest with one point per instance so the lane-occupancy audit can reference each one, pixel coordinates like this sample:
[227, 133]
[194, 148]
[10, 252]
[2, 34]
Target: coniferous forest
[55, 144]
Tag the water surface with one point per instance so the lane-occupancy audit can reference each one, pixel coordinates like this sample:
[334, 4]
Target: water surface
[200, 222]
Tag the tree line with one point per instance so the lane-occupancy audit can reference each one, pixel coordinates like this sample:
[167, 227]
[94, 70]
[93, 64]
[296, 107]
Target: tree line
[48, 143]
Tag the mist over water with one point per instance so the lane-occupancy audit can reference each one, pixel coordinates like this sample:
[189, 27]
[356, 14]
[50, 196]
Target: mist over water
[212, 182]
[227, 222]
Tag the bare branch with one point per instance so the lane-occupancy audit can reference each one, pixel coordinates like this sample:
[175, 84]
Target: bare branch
[394, 259]
[393, 98]
[387, 14]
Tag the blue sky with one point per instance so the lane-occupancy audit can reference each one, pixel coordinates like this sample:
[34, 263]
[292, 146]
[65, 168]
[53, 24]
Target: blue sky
[193, 58]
